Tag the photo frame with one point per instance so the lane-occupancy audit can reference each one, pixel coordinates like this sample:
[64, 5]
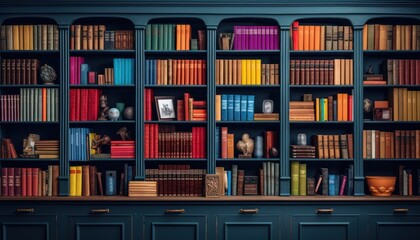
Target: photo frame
[165, 108]
[382, 114]
[267, 106]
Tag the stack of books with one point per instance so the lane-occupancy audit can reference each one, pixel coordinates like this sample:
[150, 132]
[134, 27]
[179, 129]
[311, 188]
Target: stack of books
[298, 151]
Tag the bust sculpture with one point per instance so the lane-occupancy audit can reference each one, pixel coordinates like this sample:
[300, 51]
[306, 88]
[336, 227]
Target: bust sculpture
[246, 146]
[103, 105]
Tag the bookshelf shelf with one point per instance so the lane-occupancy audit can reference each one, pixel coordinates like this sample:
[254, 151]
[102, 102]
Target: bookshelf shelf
[103, 122]
[321, 86]
[247, 159]
[104, 160]
[175, 159]
[322, 122]
[30, 52]
[177, 122]
[101, 86]
[175, 53]
[30, 86]
[321, 159]
[391, 159]
[223, 53]
[391, 53]
[336, 53]
[248, 122]
[37, 160]
[391, 86]
[175, 86]
[390, 122]
[248, 86]
[29, 122]
[102, 52]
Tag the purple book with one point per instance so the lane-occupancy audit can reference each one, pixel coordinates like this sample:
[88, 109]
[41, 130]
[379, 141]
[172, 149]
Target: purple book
[245, 42]
[271, 45]
[263, 37]
[236, 38]
[259, 30]
[253, 38]
[276, 38]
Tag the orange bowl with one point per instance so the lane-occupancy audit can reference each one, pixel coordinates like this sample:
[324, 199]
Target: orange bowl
[381, 185]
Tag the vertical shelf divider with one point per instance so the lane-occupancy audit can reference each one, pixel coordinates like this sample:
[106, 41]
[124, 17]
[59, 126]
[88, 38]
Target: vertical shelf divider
[211, 95]
[359, 179]
[139, 101]
[63, 179]
[284, 110]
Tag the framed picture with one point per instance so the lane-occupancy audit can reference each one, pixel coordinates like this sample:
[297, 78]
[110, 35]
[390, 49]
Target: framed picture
[267, 106]
[165, 108]
[382, 114]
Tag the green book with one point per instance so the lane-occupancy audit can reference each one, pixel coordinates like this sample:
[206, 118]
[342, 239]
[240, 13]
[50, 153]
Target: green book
[371, 37]
[166, 39]
[154, 37]
[21, 105]
[48, 104]
[172, 38]
[160, 37]
[276, 178]
[302, 179]
[56, 104]
[148, 37]
[294, 173]
[39, 105]
[33, 116]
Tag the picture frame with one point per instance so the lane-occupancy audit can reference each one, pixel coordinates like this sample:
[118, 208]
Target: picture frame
[165, 108]
[267, 106]
[382, 114]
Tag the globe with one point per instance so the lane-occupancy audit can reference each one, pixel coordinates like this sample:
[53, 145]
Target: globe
[129, 113]
[113, 114]
[367, 105]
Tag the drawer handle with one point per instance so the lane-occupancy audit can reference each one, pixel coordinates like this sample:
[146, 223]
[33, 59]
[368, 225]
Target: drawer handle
[400, 210]
[25, 210]
[172, 211]
[324, 210]
[248, 211]
[100, 211]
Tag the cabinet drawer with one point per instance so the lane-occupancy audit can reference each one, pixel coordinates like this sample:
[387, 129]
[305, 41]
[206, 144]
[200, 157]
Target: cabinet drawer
[34, 227]
[394, 226]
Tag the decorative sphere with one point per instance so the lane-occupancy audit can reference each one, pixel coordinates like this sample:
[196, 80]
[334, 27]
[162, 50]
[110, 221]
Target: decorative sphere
[129, 113]
[113, 114]
[273, 152]
[48, 74]
[367, 105]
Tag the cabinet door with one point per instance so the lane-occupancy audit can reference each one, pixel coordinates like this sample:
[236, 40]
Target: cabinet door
[104, 227]
[386, 227]
[325, 227]
[185, 227]
[248, 227]
[34, 227]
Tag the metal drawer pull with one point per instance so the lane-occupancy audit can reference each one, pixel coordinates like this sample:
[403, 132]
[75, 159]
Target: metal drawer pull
[96, 211]
[324, 210]
[248, 211]
[400, 210]
[25, 210]
[169, 211]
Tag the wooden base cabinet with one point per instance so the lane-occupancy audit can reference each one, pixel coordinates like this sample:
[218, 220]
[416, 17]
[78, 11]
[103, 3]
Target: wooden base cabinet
[28, 226]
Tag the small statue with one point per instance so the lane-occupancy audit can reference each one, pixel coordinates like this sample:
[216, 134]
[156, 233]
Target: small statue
[98, 142]
[103, 104]
[246, 146]
[369, 70]
[47, 74]
[29, 144]
[124, 133]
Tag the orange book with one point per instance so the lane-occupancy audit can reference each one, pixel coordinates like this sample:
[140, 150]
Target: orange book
[178, 37]
[44, 104]
[382, 37]
[340, 107]
[317, 39]
[15, 31]
[306, 38]
[183, 44]
[301, 39]
[187, 37]
[345, 106]
[230, 145]
[365, 37]
[331, 148]
[200, 72]
[187, 69]
[343, 72]
[326, 146]
[84, 37]
[322, 38]
[311, 38]
[101, 37]
[90, 37]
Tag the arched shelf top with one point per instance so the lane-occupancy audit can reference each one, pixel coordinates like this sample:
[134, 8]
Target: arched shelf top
[111, 22]
[325, 21]
[392, 20]
[178, 20]
[31, 20]
[248, 20]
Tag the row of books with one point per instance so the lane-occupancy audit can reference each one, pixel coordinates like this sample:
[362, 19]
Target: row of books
[123, 149]
[46, 149]
[333, 108]
[172, 37]
[337, 146]
[321, 37]
[163, 141]
[407, 181]
[31, 104]
[329, 183]
[96, 37]
[86, 180]
[246, 72]
[321, 72]
[403, 71]
[19, 71]
[234, 107]
[255, 38]
[7, 149]
[391, 37]
[84, 104]
[189, 109]
[397, 144]
[79, 144]
[302, 151]
[405, 104]
[176, 72]
[28, 182]
[29, 37]
[177, 180]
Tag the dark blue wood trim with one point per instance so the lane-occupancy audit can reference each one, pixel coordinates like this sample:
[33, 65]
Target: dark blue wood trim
[211, 95]
[140, 38]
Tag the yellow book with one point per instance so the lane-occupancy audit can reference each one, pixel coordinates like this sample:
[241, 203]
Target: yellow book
[405, 104]
[365, 37]
[345, 107]
[31, 37]
[78, 180]
[91, 138]
[253, 71]
[218, 103]
[248, 72]
[409, 106]
[244, 75]
[15, 30]
[258, 80]
[325, 108]
[302, 179]
[337, 73]
[395, 104]
[317, 109]
[25, 37]
[21, 37]
[72, 180]
[401, 104]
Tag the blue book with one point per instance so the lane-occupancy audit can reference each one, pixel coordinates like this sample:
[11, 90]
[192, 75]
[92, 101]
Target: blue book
[84, 69]
[147, 78]
[229, 183]
[250, 108]
[224, 107]
[331, 185]
[335, 111]
[116, 77]
[244, 106]
[110, 183]
[152, 72]
[125, 71]
[230, 107]
[132, 71]
[237, 108]
[217, 142]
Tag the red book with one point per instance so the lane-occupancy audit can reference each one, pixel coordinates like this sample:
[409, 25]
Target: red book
[269, 140]
[203, 142]
[35, 181]
[203, 69]
[343, 184]
[401, 69]
[77, 105]
[18, 181]
[72, 70]
[295, 35]
[146, 103]
[146, 141]
[156, 140]
[93, 105]
[72, 105]
[413, 71]
[180, 110]
[84, 104]
[23, 182]
[92, 78]
[4, 182]
[418, 73]
[11, 181]
[194, 147]
[224, 145]
[29, 182]
[186, 108]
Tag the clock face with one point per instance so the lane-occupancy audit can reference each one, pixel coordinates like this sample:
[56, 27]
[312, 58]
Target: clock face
[113, 114]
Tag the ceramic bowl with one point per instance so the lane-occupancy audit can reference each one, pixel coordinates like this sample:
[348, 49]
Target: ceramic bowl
[381, 185]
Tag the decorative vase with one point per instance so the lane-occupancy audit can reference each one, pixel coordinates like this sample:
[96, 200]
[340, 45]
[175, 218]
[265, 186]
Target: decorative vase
[259, 149]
